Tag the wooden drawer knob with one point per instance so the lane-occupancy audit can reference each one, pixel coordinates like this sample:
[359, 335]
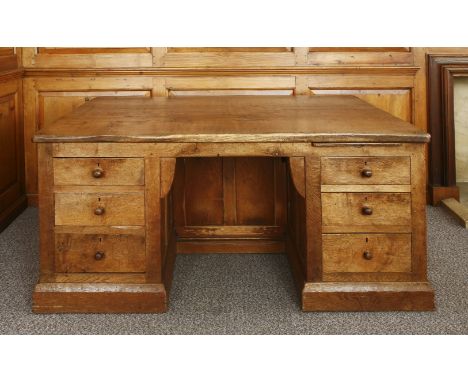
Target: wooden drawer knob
[367, 255]
[366, 173]
[366, 210]
[99, 255]
[98, 173]
[99, 211]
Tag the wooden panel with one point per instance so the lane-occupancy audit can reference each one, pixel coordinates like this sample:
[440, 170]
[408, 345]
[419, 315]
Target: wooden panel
[50, 50]
[86, 57]
[8, 59]
[255, 191]
[119, 209]
[333, 80]
[229, 92]
[54, 105]
[382, 170]
[257, 195]
[385, 253]
[360, 56]
[343, 212]
[397, 102]
[98, 171]
[203, 187]
[360, 49]
[8, 143]
[223, 57]
[231, 49]
[120, 253]
[7, 51]
[12, 197]
[237, 83]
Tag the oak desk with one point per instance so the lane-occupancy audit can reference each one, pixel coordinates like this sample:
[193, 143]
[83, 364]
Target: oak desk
[356, 237]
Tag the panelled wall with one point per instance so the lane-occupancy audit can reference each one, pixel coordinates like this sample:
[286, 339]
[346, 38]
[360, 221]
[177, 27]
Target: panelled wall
[12, 192]
[219, 198]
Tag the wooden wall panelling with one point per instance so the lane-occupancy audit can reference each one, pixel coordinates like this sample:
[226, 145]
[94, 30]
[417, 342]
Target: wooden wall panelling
[360, 56]
[8, 59]
[232, 84]
[48, 98]
[12, 193]
[5, 51]
[50, 50]
[87, 57]
[277, 57]
[393, 94]
[223, 57]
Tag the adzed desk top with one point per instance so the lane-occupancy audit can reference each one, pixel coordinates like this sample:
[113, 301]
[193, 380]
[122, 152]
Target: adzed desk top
[230, 119]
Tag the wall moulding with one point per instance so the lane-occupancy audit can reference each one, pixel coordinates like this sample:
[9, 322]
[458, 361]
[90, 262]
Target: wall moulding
[376, 70]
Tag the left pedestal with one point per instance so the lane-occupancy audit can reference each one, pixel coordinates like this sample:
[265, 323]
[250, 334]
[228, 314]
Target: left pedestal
[107, 243]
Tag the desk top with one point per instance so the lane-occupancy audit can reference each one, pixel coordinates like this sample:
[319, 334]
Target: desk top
[230, 119]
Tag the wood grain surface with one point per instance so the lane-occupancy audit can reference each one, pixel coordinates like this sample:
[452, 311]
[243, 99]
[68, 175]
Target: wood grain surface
[345, 253]
[342, 212]
[114, 171]
[120, 253]
[230, 119]
[383, 170]
[119, 209]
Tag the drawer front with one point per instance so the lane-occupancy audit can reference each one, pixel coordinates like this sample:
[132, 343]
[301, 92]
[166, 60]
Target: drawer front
[98, 171]
[366, 253]
[365, 170]
[366, 212]
[99, 253]
[93, 209]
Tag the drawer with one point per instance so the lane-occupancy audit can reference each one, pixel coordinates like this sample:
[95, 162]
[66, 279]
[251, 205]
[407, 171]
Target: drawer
[366, 253]
[99, 171]
[366, 212]
[93, 209]
[365, 170]
[99, 253]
